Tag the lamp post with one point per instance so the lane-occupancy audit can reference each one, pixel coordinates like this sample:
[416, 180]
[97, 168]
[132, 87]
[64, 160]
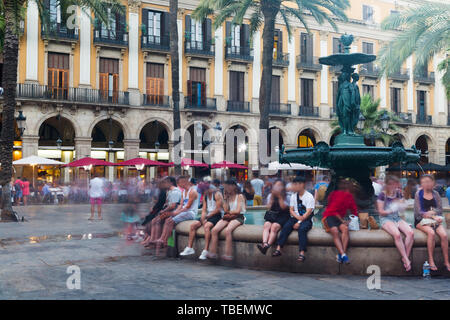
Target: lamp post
[361, 122]
[385, 122]
[20, 120]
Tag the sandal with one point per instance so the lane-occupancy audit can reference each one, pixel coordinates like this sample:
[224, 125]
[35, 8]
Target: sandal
[212, 256]
[433, 267]
[263, 248]
[276, 253]
[301, 257]
[227, 258]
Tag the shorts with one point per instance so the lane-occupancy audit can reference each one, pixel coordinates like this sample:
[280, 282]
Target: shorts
[97, 201]
[183, 216]
[281, 219]
[394, 219]
[214, 219]
[330, 222]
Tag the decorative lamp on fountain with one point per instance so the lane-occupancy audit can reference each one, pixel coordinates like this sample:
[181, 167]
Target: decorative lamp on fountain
[20, 120]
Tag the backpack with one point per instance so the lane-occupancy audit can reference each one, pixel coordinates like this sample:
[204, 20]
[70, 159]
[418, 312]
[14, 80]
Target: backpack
[321, 193]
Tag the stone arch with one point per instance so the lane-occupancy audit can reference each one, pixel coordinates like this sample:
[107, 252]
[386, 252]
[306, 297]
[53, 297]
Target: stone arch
[424, 141]
[250, 132]
[162, 121]
[67, 116]
[125, 127]
[154, 131]
[317, 135]
[403, 139]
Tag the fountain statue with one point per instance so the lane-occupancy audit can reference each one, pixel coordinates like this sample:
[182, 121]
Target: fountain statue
[350, 157]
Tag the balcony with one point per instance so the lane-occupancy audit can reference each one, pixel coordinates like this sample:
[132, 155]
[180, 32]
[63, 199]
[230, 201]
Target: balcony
[308, 63]
[198, 48]
[424, 119]
[155, 43]
[111, 38]
[238, 106]
[280, 109]
[425, 78]
[401, 75]
[81, 95]
[369, 70]
[59, 32]
[155, 100]
[200, 104]
[404, 117]
[281, 60]
[305, 111]
[239, 53]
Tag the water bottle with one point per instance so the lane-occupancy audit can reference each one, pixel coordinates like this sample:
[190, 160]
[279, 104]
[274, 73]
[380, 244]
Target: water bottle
[426, 270]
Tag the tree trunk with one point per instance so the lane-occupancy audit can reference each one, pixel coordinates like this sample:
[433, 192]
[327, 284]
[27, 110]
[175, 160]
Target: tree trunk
[269, 10]
[175, 63]
[10, 54]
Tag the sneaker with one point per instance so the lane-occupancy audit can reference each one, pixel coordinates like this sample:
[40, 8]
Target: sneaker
[187, 251]
[339, 258]
[203, 256]
[345, 259]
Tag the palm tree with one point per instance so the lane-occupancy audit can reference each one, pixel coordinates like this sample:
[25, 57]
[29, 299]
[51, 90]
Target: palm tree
[372, 124]
[175, 67]
[425, 31]
[265, 12]
[13, 13]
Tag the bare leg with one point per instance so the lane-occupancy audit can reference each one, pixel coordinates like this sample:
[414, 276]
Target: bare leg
[431, 243]
[156, 230]
[92, 211]
[167, 230]
[344, 236]
[337, 239]
[208, 226]
[444, 244]
[409, 236]
[192, 231]
[274, 229]
[229, 237]
[391, 228]
[99, 209]
[266, 232]
[215, 236]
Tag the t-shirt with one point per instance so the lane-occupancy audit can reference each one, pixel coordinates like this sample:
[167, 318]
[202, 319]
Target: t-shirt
[319, 184]
[96, 188]
[307, 200]
[339, 202]
[388, 202]
[258, 185]
[174, 196]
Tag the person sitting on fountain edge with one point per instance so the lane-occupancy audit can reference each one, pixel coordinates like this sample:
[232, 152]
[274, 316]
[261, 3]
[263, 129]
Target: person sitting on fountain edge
[339, 202]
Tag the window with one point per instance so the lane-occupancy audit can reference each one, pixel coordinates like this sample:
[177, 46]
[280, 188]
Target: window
[115, 30]
[337, 46]
[197, 87]
[306, 46]
[58, 75]
[307, 93]
[278, 44]
[367, 13]
[421, 104]
[198, 34]
[275, 90]
[156, 27]
[154, 24]
[335, 90]
[237, 86]
[54, 12]
[109, 79]
[368, 89]
[367, 48]
[396, 100]
[155, 83]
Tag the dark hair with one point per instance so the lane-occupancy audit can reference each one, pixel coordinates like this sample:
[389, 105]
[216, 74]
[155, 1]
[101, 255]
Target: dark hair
[193, 181]
[183, 178]
[231, 182]
[216, 181]
[299, 179]
[171, 180]
[255, 174]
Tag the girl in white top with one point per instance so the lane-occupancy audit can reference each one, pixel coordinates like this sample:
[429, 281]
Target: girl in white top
[234, 208]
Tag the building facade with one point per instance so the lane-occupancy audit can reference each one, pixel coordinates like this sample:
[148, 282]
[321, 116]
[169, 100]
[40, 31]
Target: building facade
[100, 91]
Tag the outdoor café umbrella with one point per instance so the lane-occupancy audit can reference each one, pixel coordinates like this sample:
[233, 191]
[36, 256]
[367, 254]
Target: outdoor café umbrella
[191, 163]
[87, 161]
[140, 163]
[36, 161]
[227, 164]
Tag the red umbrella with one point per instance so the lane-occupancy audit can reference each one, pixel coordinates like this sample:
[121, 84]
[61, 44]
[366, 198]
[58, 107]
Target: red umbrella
[84, 162]
[140, 162]
[227, 164]
[189, 162]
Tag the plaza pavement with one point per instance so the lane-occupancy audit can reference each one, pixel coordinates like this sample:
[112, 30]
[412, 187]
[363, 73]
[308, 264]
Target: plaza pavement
[34, 257]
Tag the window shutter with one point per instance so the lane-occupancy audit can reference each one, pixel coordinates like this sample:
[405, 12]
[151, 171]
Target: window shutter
[393, 106]
[245, 37]
[280, 43]
[228, 33]
[207, 33]
[187, 27]
[103, 85]
[189, 90]
[145, 21]
[203, 93]
[115, 88]
[165, 27]
[309, 45]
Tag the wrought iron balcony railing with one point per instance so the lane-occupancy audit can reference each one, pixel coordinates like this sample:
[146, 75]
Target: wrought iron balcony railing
[369, 70]
[59, 31]
[306, 111]
[155, 100]
[427, 78]
[191, 102]
[401, 75]
[200, 48]
[405, 117]
[280, 109]
[424, 119]
[310, 63]
[82, 95]
[241, 53]
[281, 60]
[111, 37]
[157, 43]
[238, 106]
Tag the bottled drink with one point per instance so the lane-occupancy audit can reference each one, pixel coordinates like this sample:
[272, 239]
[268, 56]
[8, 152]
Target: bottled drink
[426, 270]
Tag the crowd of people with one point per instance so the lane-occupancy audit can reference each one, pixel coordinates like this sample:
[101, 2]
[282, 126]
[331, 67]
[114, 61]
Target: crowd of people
[289, 205]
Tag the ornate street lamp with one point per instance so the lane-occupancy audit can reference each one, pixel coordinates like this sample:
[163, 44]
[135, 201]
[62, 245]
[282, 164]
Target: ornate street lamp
[59, 143]
[361, 121]
[385, 122]
[157, 145]
[20, 120]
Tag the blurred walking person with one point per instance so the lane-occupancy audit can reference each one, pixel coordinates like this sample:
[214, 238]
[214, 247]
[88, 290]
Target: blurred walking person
[96, 194]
